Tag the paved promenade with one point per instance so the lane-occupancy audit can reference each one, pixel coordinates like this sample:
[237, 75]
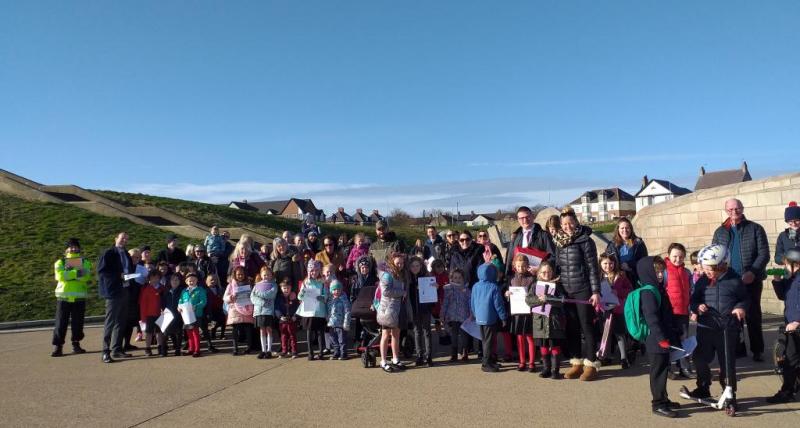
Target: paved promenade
[221, 390]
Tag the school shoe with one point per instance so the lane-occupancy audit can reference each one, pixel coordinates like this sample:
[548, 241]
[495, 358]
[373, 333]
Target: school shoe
[522, 367]
[57, 351]
[576, 370]
[76, 348]
[419, 362]
[267, 355]
[106, 358]
[664, 411]
[590, 370]
[625, 364]
[119, 355]
[261, 355]
[388, 368]
[673, 405]
[556, 366]
[488, 368]
[399, 365]
[781, 397]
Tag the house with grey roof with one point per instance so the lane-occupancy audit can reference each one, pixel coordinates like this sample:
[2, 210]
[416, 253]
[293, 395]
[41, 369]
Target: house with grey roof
[604, 205]
[709, 180]
[654, 191]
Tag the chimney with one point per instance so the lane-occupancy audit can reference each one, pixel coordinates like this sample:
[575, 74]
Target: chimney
[341, 209]
[744, 167]
[644, 181]
[472, 213]
[375, 212]
[702, 171]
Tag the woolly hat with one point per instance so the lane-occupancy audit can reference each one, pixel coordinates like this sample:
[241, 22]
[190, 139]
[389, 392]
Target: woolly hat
[335, 285]
[363, 261]
[792, 212]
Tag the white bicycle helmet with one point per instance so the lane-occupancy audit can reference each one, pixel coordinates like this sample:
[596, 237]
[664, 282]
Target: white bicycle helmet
[712, 255]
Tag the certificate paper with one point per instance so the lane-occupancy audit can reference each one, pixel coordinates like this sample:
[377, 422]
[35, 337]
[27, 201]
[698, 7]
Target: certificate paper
[426, 286]
[243, 295]
[472, 328]
[165, 320]
[309, 303]
[517, 298]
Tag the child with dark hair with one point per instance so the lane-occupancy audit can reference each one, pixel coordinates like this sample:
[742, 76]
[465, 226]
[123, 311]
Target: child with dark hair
[285, 310]
[657, 312]
[549, 331]
[150, 310]
[170, 298]
[454, 311]
[678, 283]
[618, 283]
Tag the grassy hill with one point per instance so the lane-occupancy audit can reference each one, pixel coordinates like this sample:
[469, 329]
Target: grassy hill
[268, 225]
[33, 236]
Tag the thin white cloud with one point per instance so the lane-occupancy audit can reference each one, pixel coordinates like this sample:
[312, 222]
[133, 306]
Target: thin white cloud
[623, 159]
[237, 191]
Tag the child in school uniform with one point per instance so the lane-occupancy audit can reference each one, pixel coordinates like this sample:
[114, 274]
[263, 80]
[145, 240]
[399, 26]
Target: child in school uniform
[454, 311]
[314, 321]
[214, 308]
[549, 331]
[197, 297]
[338, 320]
[678, 283]
[150, 310]
[522, 324]
[240, 309]
[263, 298]
[616, 280]
[169, 301]
[442, 278]
[285, 310]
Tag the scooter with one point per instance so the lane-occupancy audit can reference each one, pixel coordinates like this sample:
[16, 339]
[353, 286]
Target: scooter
[726, 401]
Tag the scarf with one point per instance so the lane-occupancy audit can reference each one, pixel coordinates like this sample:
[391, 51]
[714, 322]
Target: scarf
[562, 239]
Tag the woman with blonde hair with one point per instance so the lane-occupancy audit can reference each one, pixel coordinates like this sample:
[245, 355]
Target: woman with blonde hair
[244, 256]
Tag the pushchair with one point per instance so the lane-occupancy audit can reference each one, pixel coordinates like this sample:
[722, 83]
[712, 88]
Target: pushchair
[363, 310]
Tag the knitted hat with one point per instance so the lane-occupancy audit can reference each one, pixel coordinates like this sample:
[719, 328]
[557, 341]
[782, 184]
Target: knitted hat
[72, 242]
[498, 264]
[363, 261]
[314, 264]
[335, 285]
[792, 212]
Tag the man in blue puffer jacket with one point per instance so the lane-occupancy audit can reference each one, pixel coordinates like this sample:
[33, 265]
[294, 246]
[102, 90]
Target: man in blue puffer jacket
[487, 307]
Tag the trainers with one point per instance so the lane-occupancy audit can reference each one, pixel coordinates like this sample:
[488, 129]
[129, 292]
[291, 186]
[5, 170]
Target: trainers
[294, 355]
[699, 393]
[781, 397]
[665, 412]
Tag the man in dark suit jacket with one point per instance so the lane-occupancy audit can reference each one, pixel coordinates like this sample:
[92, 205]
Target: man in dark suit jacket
[112, 267]
[528, 235]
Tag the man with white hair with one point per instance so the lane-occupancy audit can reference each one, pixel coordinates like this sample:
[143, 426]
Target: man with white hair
[719, 297]
[748, 251]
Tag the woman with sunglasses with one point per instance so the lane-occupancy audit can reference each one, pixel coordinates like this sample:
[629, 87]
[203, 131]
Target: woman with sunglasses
[330, 255]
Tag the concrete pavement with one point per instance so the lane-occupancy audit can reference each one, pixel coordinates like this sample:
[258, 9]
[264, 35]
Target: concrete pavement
[222, 390]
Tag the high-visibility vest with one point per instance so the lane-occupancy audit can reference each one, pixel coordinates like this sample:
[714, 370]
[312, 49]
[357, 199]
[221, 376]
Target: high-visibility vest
[70, 287]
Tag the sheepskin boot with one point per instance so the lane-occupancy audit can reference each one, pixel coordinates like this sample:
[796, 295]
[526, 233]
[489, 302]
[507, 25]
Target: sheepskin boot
[590, 370]
[576, 370]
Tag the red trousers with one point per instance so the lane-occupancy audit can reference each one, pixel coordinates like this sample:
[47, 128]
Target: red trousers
[193, 338]
[288, 337]
[521, 341]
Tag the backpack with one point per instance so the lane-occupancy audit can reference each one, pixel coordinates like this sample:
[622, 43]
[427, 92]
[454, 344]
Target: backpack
[634, 319]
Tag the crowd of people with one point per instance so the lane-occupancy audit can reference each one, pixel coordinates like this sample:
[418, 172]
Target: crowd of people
[308, 281]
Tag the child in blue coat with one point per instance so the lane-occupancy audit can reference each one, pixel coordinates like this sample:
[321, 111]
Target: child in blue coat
[488, 309]
[338, 320]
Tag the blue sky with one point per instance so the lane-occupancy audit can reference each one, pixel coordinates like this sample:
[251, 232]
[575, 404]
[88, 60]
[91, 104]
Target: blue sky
[383, 104]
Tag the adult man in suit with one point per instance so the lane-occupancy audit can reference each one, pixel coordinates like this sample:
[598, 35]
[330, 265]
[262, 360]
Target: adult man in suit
[112, 267]
[528, 235]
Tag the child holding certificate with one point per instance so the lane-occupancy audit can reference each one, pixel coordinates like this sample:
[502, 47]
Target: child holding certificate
[522, 323]
[240, 308]
[197, 297]
[149, 311]
[548, 330]
[263, 298]
[313, 308]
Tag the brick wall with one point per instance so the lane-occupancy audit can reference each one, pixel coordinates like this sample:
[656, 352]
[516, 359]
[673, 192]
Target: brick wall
[691, 219]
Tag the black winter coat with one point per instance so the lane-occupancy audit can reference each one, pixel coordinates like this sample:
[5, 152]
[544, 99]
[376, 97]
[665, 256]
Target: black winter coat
[435, 249]
[786, 241]
[539, 240]
[728, 293]
[467, 260]
[285, 267]
[754, 246]
[657, 316]
[577, 263]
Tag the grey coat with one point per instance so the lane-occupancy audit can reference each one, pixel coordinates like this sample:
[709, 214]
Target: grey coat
[393, 291]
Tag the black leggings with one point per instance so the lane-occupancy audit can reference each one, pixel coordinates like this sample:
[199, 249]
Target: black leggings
[579, 320]
[237, 329]
[318, 336]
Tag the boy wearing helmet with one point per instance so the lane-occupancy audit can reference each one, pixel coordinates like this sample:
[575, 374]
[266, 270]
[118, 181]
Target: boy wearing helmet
[720, 291]
[788, 290]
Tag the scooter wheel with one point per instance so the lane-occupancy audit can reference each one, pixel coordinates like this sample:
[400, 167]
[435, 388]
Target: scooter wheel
[365, 360]
[730, 409]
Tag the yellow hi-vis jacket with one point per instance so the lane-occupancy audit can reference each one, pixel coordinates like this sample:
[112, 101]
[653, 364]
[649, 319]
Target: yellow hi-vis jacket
[70, 286]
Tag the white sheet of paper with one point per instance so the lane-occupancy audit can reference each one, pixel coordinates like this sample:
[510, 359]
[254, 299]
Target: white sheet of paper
[309, 304]
[688, 345]
[143, 326]
[427, 289]
[187, 313]
[608, 299]
[131, 276]
[429, 263]
[165, 320]
[472, 328]
[517, 298]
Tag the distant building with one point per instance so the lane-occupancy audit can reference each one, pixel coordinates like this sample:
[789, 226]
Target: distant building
[376, 217]
[341, 217]
[360, 218]
[708, 180]
[291, 208]
[655, 191]
[604, 205]
[480, 220]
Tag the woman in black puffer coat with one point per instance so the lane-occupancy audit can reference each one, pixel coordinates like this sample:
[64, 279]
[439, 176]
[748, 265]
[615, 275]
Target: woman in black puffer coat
[579, 274]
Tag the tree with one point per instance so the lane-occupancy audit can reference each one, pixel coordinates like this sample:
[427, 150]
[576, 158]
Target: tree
[400, 218]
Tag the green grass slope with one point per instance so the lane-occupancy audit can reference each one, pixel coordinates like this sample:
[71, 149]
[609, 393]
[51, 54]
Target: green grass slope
[32, 236]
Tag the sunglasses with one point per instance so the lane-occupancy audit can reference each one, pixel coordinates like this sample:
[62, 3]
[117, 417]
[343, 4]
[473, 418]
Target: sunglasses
[481, 236]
